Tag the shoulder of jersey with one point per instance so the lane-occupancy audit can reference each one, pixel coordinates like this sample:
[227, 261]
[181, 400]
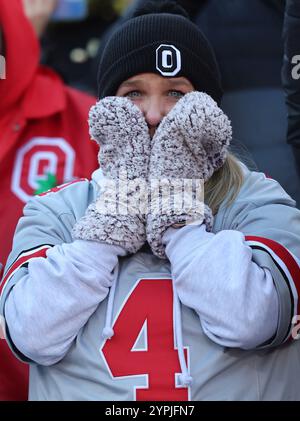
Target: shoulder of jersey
[62, 187]
[259, 187]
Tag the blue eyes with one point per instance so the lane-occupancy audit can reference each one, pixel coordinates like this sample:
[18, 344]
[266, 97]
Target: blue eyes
[138, 94]
[176, 94]
[133, 94]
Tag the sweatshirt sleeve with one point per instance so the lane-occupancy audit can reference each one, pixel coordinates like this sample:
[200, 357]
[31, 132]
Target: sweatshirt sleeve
[214, 274]
[52, 284]
[55, 297]
[256, 239]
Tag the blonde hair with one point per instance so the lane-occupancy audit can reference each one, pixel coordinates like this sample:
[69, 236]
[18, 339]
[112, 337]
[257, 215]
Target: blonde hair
[224, 185]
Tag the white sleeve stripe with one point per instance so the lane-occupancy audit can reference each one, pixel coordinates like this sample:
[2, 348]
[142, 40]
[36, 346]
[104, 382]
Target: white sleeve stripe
[21, 260]
[287, 266]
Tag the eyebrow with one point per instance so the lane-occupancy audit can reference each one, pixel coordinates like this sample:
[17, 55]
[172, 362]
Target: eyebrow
[174, 82]
[131, 82]
[180, 82]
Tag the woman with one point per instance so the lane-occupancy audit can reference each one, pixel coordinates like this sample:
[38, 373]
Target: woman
[96, 310]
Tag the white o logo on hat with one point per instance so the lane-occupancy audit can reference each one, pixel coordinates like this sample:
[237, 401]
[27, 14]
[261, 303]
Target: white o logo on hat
[168, 60]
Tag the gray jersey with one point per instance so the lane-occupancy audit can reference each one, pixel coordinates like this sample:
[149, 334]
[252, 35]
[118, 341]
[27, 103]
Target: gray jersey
[140, 362]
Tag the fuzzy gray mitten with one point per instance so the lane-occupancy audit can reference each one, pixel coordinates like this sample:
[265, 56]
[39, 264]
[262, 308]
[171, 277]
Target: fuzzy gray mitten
[120, 129]
[191, 143]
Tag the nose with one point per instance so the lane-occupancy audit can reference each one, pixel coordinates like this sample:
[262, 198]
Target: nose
[153, 111]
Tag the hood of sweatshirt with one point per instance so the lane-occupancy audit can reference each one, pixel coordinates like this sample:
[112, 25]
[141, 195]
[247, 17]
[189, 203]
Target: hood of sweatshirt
[39, 89]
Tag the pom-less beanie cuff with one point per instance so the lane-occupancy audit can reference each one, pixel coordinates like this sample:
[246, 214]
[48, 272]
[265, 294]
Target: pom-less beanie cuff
[162, 43]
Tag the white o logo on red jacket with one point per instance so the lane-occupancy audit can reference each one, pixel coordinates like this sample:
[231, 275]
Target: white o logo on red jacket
[41, 155]
[168, 60]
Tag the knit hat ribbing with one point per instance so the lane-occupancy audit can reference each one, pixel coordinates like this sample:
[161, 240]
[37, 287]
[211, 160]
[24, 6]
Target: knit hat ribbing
[163, 43]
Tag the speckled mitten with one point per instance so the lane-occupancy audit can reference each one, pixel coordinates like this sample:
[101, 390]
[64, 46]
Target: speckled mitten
[120, 129]
[190, 143]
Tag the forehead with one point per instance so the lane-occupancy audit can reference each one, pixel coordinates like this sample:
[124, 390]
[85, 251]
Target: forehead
[152, 79]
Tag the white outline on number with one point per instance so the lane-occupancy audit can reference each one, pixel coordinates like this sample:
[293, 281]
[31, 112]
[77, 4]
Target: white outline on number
[41, 141]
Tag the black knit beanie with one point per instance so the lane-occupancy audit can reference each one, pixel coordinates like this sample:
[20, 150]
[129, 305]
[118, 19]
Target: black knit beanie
[159, 39]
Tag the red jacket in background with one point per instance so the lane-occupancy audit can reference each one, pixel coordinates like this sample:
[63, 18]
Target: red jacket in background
[43, 140]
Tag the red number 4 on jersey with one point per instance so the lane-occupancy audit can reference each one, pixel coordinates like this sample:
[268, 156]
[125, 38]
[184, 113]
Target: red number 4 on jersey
[150, 302]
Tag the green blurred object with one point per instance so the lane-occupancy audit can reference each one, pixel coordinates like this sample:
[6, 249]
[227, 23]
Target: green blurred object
[120, 6]
[47, 184]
